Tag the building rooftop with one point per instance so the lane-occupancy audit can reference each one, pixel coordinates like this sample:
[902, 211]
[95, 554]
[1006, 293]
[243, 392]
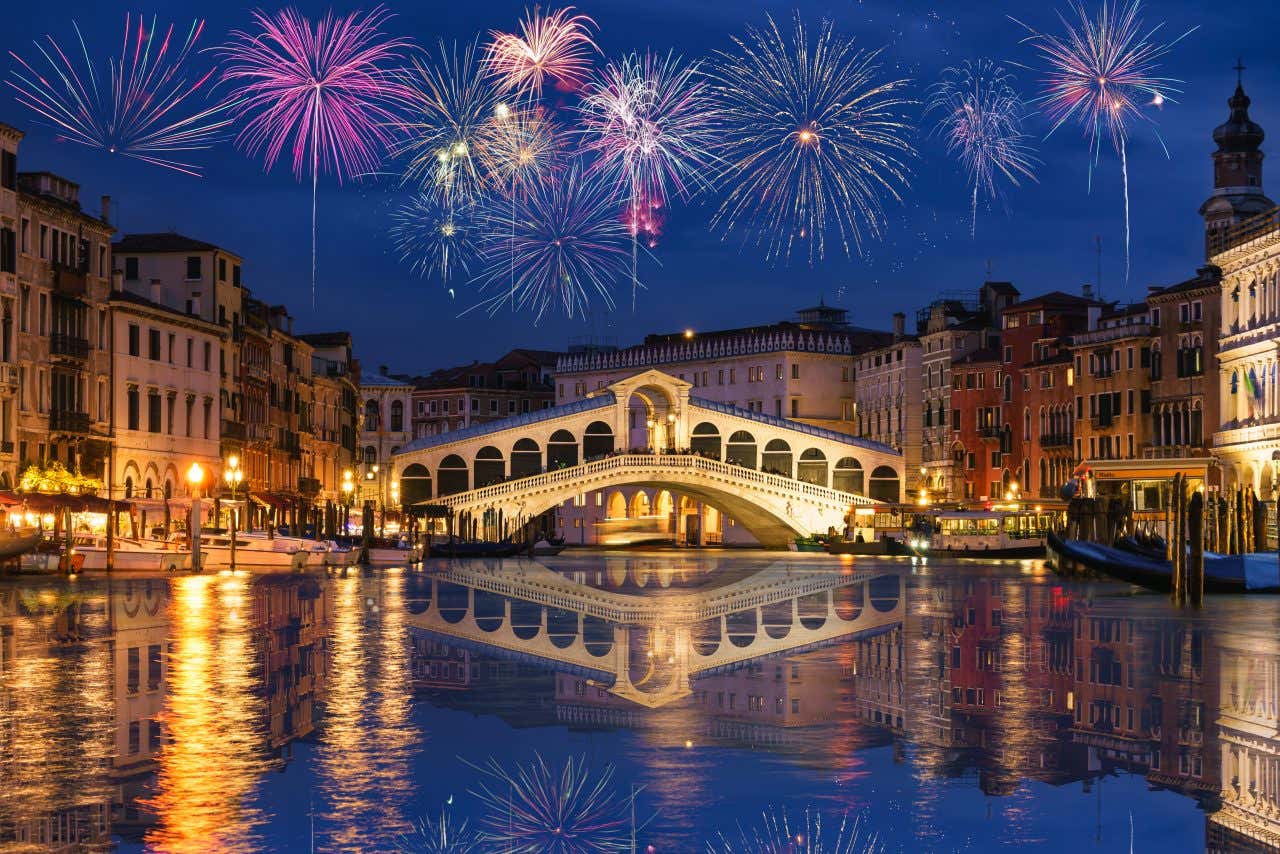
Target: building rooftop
[144, 302]
[1051, 300]
[1208, 276]
[160, 242]
[326, 339]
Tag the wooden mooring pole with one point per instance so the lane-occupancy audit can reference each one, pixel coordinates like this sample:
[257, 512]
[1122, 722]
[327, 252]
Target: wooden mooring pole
[1195, 569]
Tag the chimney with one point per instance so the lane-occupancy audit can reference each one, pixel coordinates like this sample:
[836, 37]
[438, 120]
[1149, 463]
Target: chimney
[1087, 290]
[106, 209]
[155, 290]
[899, 325]
[1152, 290]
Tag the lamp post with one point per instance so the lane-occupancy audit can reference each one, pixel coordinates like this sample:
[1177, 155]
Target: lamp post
[671, 432]
[233, 475]
[651, 424]
[195, 476]
[348, 486]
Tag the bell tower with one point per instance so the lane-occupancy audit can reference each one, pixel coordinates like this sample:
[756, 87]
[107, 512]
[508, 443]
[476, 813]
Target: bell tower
[1237, 170]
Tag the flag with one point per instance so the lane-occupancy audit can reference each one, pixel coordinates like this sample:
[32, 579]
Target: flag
[1251, 384]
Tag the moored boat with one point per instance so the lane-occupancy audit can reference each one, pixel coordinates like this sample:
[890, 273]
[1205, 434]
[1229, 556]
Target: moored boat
[475, 548]
[1258, 572]
[996, 534]
[546, 548]
[131, 555]
[250, 552]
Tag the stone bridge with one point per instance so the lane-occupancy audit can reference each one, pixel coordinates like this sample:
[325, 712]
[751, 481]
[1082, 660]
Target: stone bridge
[778, 477]
[648, 648]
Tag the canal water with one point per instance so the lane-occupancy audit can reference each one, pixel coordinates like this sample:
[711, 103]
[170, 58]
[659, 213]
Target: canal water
[686, 701]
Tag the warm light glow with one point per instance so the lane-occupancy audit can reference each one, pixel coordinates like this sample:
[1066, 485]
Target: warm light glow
[688, 333]
[233, 462]
[195, 474]
[346, 475]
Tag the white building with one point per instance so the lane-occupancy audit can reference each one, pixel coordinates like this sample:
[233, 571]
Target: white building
[889, 396]
[384, 428]
[166, 386]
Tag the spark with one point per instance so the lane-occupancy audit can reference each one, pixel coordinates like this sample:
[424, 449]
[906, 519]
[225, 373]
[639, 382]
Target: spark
[980, 118]
[535, 809]
[440, 836]
[433, 238]
[139, 106]
[452, 106]
[566, 243]
[328, 88]
[813, 140]
[1100, 74]
[647, 121]
[777, 833]
[556, 46]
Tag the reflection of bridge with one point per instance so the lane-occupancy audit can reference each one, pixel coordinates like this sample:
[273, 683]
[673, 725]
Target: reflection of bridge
[778, 477]
[648, 648]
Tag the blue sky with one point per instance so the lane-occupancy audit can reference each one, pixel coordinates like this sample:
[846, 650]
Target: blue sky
[1044, 241]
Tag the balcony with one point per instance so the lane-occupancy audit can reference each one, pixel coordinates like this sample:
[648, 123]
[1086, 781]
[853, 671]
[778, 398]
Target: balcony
[993, 432]
[232, 430]
[309, 486]
[70, 281]
[258, 372]
[8, 377]
[257, 432]
[68, 346]
[1101, 422]
[1055, 440]
[68, 421]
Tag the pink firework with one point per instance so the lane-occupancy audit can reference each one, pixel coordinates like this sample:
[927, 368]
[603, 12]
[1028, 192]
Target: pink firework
[556, 46]
[1102, 73]
[329, 90]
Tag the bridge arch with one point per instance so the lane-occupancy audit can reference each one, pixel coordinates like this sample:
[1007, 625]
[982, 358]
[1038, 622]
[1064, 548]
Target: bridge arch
[663, 504]
[638, 505]
[885, 484]
[777, 458]
[562, 450]
[616, 505]
[526, 458]
[415, 484]
[648, 407]
[489, 468]
[597, 440]
[847, 476]
[705, 440]
[741, 449]
[812, 467]
[452, 476]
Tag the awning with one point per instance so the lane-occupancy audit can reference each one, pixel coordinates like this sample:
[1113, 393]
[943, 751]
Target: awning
[40, 502]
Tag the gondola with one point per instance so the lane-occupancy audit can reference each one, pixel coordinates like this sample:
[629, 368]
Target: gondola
[1250, 573]
[476, 548]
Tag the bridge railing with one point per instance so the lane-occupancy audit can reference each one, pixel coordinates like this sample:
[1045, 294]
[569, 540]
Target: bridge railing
[654, 463]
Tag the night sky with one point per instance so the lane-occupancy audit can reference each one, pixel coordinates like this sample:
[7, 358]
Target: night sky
[1045, 241]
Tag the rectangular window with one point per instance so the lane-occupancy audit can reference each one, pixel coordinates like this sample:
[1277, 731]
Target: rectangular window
[133, 409]
[131, 269]
[153, 412]
[153, 344]
[172, 338]
[193, 268]
[795, 372]
[208, 356]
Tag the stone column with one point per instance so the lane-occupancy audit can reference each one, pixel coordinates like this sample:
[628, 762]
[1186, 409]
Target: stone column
[702, 524]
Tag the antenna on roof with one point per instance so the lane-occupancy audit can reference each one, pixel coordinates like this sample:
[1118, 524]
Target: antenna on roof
[988, 269]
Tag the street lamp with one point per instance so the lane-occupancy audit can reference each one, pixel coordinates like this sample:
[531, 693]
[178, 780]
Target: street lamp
[233, 475]
[671, 431]
[348, 486]
[651, 424]
[195, 476]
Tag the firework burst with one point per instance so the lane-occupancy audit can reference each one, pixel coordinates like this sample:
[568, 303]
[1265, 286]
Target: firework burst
[1102, 73]
[453, 108]
[556, 46]
[440, 836]
[778, 833]
[647, 121]
[435, 238]
[812, 140]
[142, 109]
[980, 117]
[328, 89]
[567, 243]
[534, 810]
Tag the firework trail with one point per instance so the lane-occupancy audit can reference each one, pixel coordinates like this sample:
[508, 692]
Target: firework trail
[435, 238]
[330, 89]
[1101, 73]
[567, 243]
[980, 118]
[647, 122]
[519, 147]
[440, 836]
[142, 109]
[777, 833]
[556, 46]
[535, 810]
[452, 106]
[812, 139]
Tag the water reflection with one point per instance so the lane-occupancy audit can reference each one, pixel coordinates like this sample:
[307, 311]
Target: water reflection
[152, 710]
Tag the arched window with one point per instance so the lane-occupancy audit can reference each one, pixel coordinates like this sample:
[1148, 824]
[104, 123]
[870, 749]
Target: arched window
[370, 456]
[371, 413]
[128, 487]
[397, 416]
[148, 487]
[1026, 424]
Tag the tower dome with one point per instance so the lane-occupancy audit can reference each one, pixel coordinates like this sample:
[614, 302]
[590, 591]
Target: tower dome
[1239, 133]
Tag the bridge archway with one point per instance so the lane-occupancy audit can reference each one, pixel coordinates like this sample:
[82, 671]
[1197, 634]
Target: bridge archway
[526, 458]
[562, 450]
[490, 467]
[777, 458]
[663, 505]
[885, 485]
[812, 467]
[616, 506]
[645, 405]
[847, 475]
[639, 504]
[415, 484]
[597, 440]
[705, 440]
[452, 475]
[741, 449]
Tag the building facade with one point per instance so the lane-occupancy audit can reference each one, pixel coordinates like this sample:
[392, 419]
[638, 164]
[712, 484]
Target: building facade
[453, 398]
[889, 398]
